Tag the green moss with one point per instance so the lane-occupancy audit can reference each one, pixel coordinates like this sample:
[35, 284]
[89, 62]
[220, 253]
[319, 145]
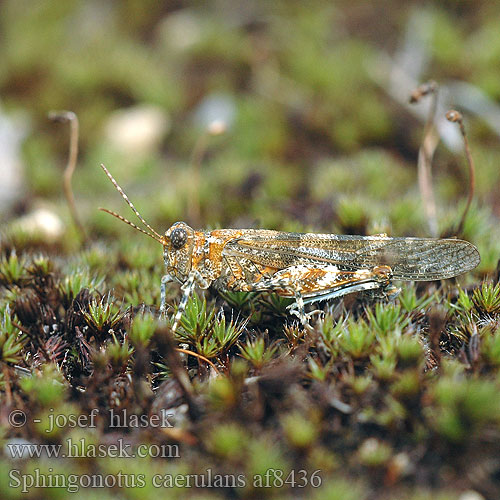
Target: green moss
[46, 388]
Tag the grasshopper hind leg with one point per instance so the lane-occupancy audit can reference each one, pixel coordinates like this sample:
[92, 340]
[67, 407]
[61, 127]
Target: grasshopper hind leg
[340, 292]
[346, 282]
[377, 279]
[298, 309]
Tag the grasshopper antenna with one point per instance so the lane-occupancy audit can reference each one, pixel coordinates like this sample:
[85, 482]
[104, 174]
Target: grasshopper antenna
[118, 216]
[155, 235]
[456, 117]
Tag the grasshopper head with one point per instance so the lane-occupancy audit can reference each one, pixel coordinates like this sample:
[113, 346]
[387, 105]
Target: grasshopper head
[178, 249]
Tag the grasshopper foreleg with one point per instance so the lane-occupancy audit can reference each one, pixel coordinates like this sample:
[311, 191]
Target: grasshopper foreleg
[194, 278]
[166, 278]
[187, 288]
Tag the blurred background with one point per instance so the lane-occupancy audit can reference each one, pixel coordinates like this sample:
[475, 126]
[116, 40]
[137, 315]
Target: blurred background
[293, 115]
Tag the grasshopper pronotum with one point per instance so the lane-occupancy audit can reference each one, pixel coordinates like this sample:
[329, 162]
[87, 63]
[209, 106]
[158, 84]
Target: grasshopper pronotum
[308, 267]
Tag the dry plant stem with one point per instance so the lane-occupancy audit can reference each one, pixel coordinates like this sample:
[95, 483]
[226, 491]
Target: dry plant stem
[437, 323]
[193, 208]
[168, 349]
[27, 332]
[8, 392]
[199, 356]
[63, 117]
[426, 153]
[456, 117]
[425, 156]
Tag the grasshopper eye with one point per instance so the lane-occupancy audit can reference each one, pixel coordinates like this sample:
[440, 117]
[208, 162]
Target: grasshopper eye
[178, 238]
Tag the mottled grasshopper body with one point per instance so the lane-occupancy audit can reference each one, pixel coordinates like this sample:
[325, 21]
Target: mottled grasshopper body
[305, 266]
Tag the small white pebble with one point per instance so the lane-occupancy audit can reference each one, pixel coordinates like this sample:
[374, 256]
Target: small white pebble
[42, 222]
[137, 130]
[216, 113]
[217, 127]
[180, 30]
[470, 495]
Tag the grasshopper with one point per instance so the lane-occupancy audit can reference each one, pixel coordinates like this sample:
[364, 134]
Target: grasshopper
[307, 267]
